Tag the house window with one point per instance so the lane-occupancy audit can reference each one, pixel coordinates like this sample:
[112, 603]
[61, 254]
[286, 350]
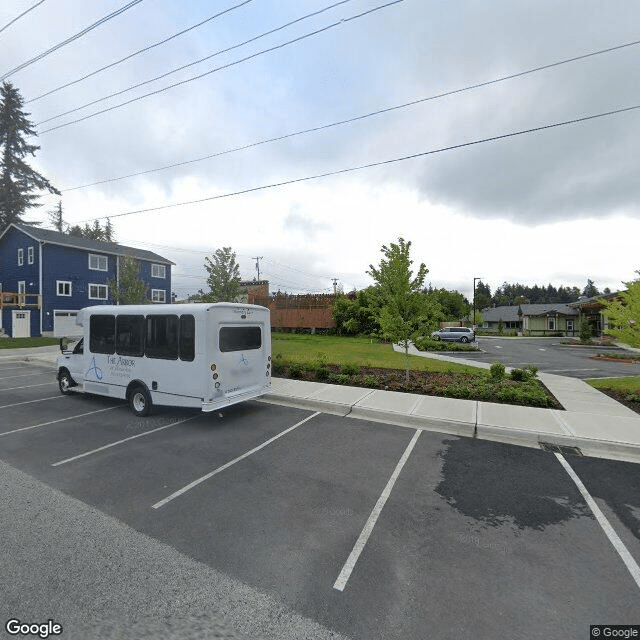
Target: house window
[158, 295]
[158, 271]
[97, 263]
[64, 287]
[98, 292]
[551, 324]
[569, 325]
[21, 286]
[30, 255]
[20, 257]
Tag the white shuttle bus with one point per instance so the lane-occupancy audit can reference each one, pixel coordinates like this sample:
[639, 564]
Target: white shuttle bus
[184, 355]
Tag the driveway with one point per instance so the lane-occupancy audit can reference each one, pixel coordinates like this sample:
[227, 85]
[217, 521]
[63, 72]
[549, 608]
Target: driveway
[549, 356]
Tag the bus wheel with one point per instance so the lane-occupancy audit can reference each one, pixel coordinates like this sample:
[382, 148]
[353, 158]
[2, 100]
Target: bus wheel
[65, 382]
[140, 401]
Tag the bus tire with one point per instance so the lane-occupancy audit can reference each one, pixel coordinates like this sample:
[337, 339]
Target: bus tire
[65, 382]
[140, 401]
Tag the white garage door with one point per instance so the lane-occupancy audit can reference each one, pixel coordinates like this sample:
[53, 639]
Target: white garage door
[21, 324]
[64, 324]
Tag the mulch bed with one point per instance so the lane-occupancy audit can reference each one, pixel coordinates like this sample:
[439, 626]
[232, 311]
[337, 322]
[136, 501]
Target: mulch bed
[630, 360]
[420, 382]
[621, 397]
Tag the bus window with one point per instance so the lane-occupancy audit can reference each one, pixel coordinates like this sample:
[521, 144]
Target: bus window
[102, 333]
[240, 338]
[162, 337]
[130, 335]
[187, 338]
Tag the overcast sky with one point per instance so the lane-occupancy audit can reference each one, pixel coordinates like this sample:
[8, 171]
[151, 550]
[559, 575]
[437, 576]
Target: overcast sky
[554, 206]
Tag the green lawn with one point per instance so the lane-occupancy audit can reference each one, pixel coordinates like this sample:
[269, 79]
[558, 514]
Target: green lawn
[627, 383]
[22, 343]
[346, 350]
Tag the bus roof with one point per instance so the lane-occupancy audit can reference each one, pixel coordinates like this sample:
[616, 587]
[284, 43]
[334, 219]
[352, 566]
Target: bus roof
[198, 308]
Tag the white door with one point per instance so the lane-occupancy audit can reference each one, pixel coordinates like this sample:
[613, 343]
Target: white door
[64, 324]
[21, 324]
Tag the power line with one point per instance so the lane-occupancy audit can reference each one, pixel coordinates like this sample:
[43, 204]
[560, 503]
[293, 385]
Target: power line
[195, 62]
[206, 73]
[143, 50]
[86, 30]
[24, 13]
[372, 164]
[362, 116]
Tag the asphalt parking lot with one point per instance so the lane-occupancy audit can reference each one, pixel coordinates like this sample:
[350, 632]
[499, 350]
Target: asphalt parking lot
[550, 356]
[369, 530]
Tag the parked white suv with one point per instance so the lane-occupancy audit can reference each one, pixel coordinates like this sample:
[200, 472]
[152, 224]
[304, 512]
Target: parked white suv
[455, 334]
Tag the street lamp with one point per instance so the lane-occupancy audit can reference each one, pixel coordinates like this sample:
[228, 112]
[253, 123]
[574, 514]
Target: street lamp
[473, 318]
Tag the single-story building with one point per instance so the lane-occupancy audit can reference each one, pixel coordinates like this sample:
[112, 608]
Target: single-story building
[533, 319]
[47, 276]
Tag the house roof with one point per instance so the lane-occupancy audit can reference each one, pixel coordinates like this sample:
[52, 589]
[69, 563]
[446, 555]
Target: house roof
[48, 236]
[510, 313]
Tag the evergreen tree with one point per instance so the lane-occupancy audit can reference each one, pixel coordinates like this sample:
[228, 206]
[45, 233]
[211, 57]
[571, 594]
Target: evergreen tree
[56, 219]
[18, 180]
[223, 278]
[590, 290]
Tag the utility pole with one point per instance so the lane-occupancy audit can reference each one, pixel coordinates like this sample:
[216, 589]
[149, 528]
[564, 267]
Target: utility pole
[473, 319]
[335, 285]
[257, 259]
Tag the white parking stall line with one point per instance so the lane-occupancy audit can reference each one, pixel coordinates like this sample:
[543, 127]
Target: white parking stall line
[26, 375]
[618, 545]
[115, 444]
[195, 483]
[44, 424]
[341, 581]
[16, 404]
[29, 386]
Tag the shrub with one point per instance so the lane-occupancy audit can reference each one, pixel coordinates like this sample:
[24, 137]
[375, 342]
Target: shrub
[519, 375]
[496, 371]
[277, 366]
[339, 378]
[350, 369]
[295, 369]
[322, 373]
[372, 381]
[532, 369]
[585, 330]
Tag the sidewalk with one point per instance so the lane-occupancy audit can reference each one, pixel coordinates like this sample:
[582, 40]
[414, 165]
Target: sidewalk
[592, 421]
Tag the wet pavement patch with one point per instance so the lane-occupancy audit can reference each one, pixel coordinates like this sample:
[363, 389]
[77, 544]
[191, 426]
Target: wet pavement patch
[498, 484]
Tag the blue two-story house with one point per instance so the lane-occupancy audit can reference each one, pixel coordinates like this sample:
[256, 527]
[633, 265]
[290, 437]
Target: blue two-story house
[46, 276]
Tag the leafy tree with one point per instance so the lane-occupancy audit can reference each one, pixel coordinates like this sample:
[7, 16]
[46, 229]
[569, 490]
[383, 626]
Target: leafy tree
[223, 278]
[405, 313]
[131, 289]
[357, 314]
[18, 180]
[454, 305]
[624, 314]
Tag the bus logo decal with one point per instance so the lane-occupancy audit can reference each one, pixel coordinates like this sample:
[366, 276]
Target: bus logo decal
[94, 367]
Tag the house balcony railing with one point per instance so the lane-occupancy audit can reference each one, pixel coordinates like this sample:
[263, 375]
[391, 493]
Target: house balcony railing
[20, 300]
